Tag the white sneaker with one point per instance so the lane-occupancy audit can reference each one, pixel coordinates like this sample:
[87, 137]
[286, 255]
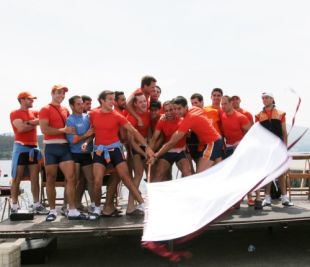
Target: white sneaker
[286, 202]
[267, 201]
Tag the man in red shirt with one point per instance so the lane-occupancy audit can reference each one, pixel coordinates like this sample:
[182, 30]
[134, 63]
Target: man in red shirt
[107, 123]
[234, 126]
[52, 119]
[148, 84]
[210, 142]
[138, 152]
[167, 125]
[235, 100]
[25, 152]
[120, 103]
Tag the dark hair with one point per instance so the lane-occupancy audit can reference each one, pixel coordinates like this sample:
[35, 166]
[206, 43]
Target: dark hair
[103, 95]
[155, 104]
[198, 96]
[158, 88]
[118, 94]
[228, 98]
[219, 90]
[86, 98]
[135, 97]
[180, 100]
[147, 80]
[72, 99]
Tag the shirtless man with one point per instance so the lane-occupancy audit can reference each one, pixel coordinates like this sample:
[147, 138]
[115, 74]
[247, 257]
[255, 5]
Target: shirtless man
[194, 119]
[52, 119]
[167, 125]
[25, 152]
[107, 150]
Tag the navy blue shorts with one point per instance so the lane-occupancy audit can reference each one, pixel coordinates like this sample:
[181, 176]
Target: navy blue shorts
[116, 157]
[228, 152]
[174, 157]
[23, 158]
[56, 153]
[212, 151]
[83, 159]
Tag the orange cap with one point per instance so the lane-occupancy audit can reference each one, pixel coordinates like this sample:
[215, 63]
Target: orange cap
[59, 87]
[26, 95]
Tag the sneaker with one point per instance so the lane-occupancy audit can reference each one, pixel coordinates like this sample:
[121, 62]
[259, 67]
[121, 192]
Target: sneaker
[251, 202]
[267, 201]
[40, 210]
[258, 205]
[286, 202]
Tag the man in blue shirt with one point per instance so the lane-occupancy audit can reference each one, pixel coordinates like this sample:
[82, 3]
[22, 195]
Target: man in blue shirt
[81, 146]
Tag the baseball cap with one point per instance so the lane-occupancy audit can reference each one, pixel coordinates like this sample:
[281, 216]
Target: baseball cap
[25, 95]
[235, 96]
[59, 87]
[267, 94]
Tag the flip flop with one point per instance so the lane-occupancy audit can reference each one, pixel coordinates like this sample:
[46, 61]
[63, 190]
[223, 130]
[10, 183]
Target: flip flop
[50, 217]
[115, 213]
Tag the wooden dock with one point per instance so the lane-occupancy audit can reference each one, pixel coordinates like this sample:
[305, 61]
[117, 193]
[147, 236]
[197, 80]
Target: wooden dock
[244, 217]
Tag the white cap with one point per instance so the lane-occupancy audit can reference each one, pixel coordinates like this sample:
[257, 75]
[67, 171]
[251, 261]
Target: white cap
[268, 94]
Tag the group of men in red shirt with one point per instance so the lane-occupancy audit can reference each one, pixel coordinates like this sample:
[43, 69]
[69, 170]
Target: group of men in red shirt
[150, 133]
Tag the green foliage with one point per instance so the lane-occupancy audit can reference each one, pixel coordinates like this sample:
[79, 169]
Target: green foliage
[6, 145]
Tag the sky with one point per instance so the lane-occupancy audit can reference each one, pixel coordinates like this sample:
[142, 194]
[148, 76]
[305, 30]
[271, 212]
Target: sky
[244, 47]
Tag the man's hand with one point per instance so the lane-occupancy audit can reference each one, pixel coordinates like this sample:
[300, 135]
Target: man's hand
[69, 130]
[149, 152]
[84, 147]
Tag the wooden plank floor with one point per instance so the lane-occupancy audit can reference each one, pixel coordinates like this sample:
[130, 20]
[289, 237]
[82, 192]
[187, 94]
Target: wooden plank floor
[244, 217]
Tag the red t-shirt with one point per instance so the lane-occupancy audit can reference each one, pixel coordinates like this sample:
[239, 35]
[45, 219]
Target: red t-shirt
[196, 120]
[168, 128]
[106, 126]
[122, 112]
[56, 116]
[25, 138]
[146, 120]
[247, 114]
[232, 126]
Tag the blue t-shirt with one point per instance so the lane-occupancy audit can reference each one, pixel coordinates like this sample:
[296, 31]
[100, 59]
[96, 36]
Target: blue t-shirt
[81, 124]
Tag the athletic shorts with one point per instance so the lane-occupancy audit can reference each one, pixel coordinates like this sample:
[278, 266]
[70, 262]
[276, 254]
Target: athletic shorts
[212, 151]
[23, 158]
[174, 157]
[56, 153]
[83, 159]
[116, 157]
[228, 152]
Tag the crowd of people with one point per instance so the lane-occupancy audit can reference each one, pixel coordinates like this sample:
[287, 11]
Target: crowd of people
[125, 138]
